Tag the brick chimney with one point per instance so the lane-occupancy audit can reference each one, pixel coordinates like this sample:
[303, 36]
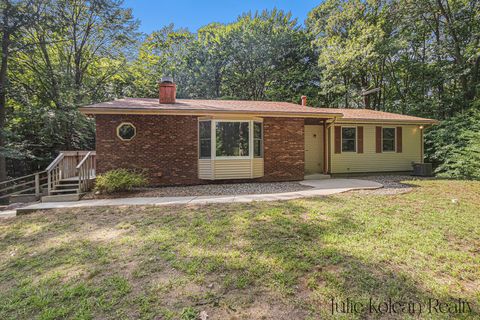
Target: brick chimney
[304, 101]
[167, 90]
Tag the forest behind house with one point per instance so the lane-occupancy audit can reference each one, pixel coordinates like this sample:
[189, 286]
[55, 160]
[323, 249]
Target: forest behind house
[58, 55]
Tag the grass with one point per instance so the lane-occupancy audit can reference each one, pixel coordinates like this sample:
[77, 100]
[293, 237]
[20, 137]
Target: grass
[280, 260]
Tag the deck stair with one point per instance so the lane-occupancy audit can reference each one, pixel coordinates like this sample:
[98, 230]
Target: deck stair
[70, 178]
[67, 178]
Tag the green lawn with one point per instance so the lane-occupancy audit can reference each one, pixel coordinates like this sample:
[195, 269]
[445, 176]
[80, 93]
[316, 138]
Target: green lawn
[281, 260]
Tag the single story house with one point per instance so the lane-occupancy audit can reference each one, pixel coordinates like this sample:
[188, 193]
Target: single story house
[181, 142]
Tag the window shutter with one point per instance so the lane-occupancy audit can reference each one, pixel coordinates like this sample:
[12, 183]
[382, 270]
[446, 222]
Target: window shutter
[378, 139]
[359, 139]
[399, 139]
[338, 139]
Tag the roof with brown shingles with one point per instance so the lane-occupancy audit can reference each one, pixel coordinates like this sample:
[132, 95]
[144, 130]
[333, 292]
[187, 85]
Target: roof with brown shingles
[128, 105]
[367, 114]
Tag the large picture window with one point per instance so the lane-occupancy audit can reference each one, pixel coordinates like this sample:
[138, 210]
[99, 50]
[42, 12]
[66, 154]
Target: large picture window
[349, 137]
[388, 139]
[232, 139]
[226, 139]
[205, 134]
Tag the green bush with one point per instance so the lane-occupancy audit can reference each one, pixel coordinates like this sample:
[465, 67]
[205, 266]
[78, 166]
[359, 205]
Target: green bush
[454, 146]
[119, 180]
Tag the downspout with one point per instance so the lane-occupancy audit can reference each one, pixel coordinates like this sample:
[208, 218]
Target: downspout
[325, 147]
[422, 142]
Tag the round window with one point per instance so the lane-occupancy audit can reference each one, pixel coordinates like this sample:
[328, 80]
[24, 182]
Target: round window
[126, 131]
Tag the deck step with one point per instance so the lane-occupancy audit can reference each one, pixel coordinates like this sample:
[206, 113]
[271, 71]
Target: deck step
[63, 197]
[65, 191]
[68, 181]
[66, 186]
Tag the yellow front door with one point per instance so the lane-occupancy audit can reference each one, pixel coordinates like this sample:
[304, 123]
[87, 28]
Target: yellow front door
[313, 149]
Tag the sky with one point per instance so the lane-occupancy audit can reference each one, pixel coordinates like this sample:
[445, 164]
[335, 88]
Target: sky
[154, 14]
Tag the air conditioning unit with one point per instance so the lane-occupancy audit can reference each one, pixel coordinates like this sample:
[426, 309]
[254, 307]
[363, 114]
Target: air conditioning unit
[422, 169]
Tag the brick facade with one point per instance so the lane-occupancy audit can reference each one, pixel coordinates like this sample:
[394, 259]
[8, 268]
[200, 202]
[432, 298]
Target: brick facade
[167, 148]
[284, 149]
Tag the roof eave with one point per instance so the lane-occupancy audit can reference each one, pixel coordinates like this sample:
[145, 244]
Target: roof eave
[409, 121]
[200, 112]
[94, 111]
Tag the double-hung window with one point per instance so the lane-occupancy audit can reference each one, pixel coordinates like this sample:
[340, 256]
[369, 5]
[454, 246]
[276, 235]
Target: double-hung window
[205, 136]
[349, 139]
[257, 139]
[388, 139]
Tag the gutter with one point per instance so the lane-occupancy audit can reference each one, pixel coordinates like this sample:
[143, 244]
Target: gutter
[196, 112]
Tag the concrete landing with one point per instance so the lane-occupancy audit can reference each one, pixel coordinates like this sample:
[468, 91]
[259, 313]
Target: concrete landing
[335, 184]
[316, 176]
[321, 187]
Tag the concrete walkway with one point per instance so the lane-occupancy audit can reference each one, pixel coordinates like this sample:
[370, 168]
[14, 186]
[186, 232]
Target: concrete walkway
[322, 187]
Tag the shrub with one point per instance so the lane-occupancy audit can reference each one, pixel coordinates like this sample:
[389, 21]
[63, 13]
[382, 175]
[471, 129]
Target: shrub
[454, 146]
[119, 180]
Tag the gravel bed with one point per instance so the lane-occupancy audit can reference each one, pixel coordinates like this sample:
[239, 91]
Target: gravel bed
[209, 190]
[391, 184]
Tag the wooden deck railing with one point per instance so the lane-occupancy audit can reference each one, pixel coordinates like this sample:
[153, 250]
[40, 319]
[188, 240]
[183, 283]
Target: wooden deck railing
[29, 183]
[68, 164]
[54, 172]
[86, 171]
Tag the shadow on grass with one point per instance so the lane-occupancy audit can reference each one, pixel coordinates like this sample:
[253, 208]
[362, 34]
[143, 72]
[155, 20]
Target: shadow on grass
[288, 249]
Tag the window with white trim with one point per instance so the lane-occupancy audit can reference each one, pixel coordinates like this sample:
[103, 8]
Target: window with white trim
[257, 139]
[205, 137]
[349, 139]
[232, 139]
[388, 139]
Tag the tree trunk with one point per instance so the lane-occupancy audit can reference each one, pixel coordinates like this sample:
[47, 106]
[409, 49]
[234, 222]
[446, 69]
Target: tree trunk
[3, 95]
[346, 90]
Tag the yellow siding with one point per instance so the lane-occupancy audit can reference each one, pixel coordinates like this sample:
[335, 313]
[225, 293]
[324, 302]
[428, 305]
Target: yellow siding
[313, 149]
[230, 168]
[370, 161]
[205, 169]
[257, 167]
[233, 169]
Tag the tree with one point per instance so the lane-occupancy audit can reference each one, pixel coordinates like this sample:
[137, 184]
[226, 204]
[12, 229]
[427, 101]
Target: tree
[69, 57]
[15, 18]
[353, 39]
[422, 54]
[454, 146]
[268, 57]
[162, 53]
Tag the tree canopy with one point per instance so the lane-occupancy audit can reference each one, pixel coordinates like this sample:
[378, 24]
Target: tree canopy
[57, 55]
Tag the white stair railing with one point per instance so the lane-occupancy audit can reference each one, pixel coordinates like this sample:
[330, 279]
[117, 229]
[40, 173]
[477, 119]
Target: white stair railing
[86, 172]
[70, 164]
[54, 172]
